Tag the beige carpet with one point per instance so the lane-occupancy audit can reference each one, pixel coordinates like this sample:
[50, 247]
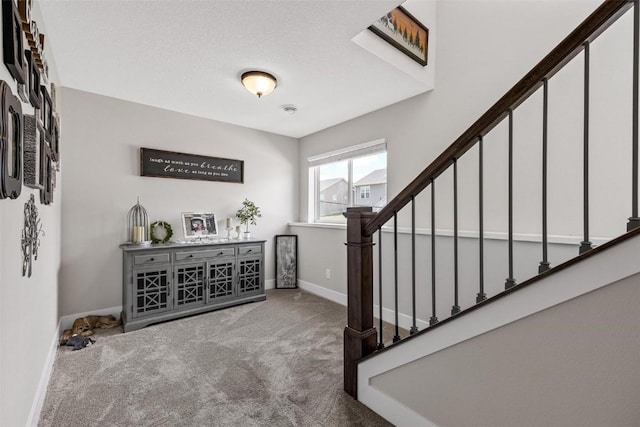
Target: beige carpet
[272, 363]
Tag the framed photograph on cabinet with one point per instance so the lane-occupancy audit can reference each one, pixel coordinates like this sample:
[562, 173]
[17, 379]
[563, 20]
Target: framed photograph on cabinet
[286, 261]
[196, 225]
[404, 32]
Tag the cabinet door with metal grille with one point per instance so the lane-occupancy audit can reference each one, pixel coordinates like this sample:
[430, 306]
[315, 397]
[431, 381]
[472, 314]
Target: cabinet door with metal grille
[249, 275]
[221, 280]
[151, 290]
[190, 280]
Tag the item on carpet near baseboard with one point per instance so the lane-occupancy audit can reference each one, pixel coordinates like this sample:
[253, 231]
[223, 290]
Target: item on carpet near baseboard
[286, 261]
[84, 326]
[78, 342]
[161, 232]
[31, 232]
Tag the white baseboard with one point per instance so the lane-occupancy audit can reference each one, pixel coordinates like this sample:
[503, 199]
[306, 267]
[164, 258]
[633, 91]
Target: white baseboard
[325, 293]
[41, 392]
[270, 284]
[67, 321]
[404, 320]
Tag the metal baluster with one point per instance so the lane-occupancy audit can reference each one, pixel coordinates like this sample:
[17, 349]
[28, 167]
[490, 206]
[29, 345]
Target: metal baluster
[481, 295]
[634, 221]
[381, 342]
[456, 307]
[585, 245]
[434, 319]
[414, 328]
[510, 282]
[544, 264]
[396, 337]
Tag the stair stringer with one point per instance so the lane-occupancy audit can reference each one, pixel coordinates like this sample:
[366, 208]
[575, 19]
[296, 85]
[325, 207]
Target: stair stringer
[607, 267]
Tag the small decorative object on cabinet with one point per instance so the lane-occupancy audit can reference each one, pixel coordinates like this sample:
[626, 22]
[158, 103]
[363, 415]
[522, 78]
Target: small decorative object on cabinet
[138, 225]
[161, 232]
[164, 282]
[286, 261]
[248, 214]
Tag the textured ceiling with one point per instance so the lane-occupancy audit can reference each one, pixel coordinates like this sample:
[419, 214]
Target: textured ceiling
[188, 55]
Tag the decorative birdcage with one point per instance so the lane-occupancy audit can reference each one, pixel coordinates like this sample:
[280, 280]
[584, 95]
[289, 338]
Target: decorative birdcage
[138, 224]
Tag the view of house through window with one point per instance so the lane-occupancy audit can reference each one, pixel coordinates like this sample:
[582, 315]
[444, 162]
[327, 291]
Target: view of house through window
[353, 178]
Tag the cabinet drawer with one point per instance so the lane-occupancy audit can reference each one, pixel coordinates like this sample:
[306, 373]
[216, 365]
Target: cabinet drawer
[150, 259]
[214, 253]
[248, 250]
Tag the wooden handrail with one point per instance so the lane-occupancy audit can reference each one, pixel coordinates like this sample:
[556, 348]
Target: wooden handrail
[587, 31]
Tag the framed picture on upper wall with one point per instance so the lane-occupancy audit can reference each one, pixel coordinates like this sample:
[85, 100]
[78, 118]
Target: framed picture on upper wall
[404, 32]
[196, 224]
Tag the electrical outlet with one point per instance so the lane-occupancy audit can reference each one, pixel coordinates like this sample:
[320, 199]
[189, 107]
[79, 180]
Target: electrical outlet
[327, 274]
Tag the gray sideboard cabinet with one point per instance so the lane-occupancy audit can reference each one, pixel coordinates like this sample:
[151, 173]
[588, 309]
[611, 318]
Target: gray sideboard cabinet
[166, 281]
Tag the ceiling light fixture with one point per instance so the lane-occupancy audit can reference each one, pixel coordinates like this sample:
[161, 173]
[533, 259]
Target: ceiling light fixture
[258, 82]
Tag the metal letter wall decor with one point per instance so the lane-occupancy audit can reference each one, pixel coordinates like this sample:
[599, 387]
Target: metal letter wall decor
[12, 40]
[33, 75]
[30, 236]
[10, 143]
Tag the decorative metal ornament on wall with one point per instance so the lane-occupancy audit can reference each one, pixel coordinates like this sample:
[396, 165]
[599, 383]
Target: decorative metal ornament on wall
[30, 235]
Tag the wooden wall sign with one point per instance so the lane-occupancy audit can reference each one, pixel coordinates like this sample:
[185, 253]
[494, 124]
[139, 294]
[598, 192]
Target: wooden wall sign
[168, 164]
[12, 40]
[10, 143]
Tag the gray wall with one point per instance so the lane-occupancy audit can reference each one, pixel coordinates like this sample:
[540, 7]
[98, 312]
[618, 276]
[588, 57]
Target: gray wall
[102, 178]
[575, 364]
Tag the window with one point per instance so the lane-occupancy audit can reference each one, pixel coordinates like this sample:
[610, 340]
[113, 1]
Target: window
[365, 191]
[356, 176]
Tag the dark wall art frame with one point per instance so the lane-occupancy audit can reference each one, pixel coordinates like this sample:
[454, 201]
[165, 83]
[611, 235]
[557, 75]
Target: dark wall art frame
[169, 164]
[10, 143]
[12, 40]
[404, 32]
[286, 261]
[33, 73]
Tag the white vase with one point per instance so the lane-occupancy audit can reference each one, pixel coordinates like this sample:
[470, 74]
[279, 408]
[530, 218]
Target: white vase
[246, 235]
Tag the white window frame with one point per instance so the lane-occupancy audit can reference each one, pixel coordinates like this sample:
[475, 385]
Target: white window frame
[348, 153]
[365, 191]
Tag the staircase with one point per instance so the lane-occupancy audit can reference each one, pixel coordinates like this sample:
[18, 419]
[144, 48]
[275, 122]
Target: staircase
[452, 303]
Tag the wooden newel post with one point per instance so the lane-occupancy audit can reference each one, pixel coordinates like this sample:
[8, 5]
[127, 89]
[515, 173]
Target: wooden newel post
[359, 335]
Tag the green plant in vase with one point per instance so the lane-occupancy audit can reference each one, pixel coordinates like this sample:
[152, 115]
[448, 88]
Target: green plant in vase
[247, 214]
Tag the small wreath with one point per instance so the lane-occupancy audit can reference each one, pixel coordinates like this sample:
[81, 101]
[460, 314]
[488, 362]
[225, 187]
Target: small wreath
[168, 232]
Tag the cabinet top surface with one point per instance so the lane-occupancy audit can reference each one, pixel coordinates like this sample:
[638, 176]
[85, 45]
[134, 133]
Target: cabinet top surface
[132, 247]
